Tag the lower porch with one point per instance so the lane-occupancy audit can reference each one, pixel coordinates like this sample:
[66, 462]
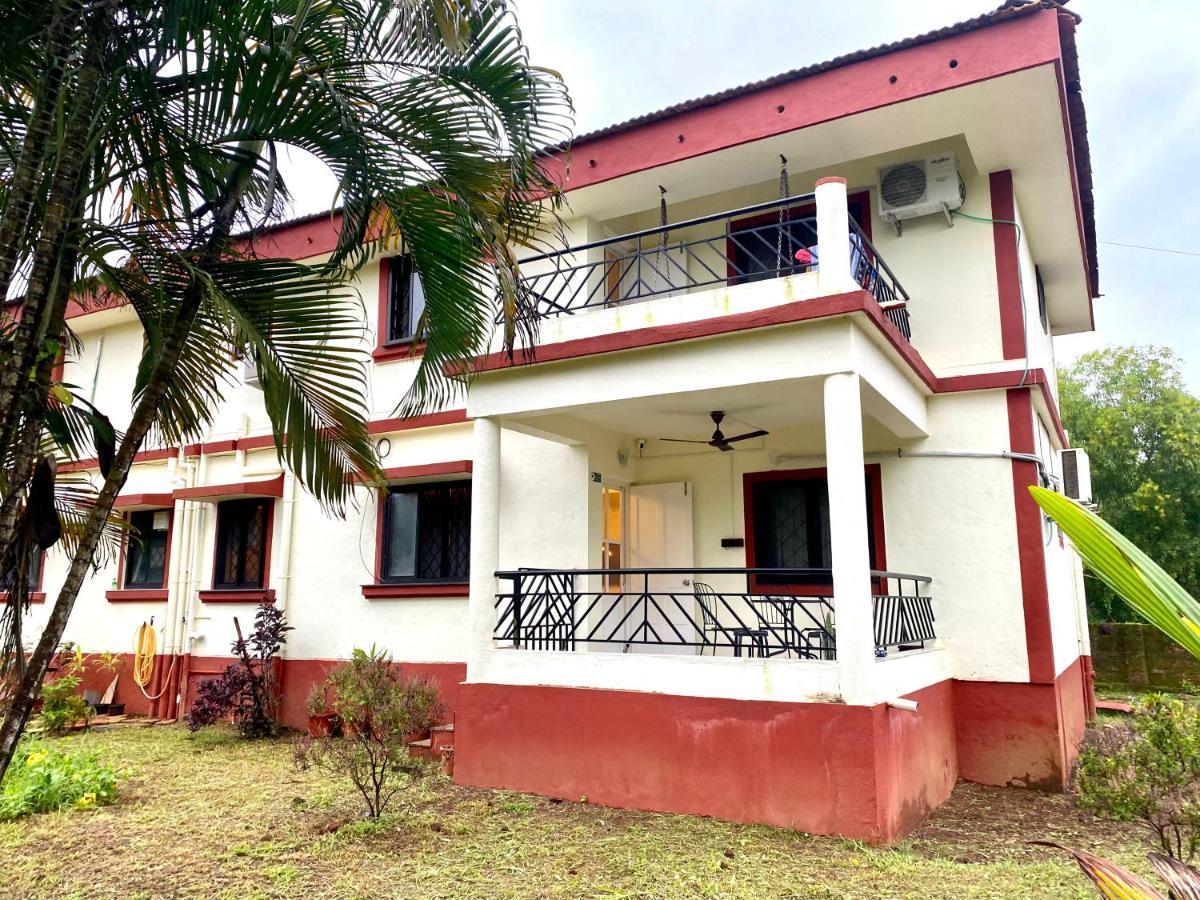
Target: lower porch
[755, 612]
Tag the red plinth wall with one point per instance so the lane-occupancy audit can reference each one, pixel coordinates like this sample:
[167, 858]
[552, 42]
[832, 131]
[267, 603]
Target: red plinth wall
[871, 773]
[181, 676]
[1023, 735]
[862, 772]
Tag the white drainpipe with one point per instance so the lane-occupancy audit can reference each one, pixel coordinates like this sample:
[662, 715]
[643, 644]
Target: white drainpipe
[284, 579]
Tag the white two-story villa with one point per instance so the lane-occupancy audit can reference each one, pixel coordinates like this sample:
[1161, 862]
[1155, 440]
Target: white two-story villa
[747, 534]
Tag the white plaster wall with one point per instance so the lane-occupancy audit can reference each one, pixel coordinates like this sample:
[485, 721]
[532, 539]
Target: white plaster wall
[954, 519]
[1068, 617]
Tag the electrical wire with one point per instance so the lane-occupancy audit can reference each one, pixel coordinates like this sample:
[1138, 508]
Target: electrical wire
[1152, 249]
[1020, 281]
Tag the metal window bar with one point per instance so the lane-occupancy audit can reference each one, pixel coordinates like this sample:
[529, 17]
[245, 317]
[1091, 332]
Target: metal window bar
[547, 610]
[872, 274]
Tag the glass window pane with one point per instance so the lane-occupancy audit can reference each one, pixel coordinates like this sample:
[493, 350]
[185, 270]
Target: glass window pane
[146, 551]
[416, 303]
[400, 534]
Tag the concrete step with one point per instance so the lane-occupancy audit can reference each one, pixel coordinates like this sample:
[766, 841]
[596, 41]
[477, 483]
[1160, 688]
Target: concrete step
[442, 736]
[423, 749]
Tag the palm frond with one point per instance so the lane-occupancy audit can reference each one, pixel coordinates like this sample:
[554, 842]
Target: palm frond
[1133, 575]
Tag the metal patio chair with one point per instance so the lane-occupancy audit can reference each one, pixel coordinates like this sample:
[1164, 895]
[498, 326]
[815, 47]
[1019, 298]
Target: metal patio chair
[755, 638]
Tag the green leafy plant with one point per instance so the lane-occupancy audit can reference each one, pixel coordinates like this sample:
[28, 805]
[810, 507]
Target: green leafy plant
[381, 712]
[1132, 408]
[248, 688]
[141, 166]
[1130, 573]
[62, 706]
[1147, 770]
[42, 779]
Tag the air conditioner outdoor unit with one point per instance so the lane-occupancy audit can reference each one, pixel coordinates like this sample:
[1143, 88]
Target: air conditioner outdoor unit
[920, 187]
[1077, 475]
[250, 371]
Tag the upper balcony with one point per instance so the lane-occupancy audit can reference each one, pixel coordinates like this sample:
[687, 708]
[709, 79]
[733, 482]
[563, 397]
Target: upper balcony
[777, 239]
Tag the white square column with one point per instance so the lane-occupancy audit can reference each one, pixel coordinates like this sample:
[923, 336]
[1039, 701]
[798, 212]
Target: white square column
[852, 601]
[485, 539]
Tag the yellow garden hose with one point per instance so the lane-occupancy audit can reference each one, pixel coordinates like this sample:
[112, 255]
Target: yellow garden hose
[143, 660]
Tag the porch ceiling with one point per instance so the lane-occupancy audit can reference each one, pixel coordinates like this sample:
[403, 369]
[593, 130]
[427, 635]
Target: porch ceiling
[769, 377]
[780, 408]
[1014, 121]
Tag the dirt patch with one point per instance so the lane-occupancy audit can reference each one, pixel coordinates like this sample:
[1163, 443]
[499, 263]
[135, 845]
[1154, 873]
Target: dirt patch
[980, 823]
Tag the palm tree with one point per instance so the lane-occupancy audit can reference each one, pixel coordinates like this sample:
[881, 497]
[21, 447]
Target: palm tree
[138, 161]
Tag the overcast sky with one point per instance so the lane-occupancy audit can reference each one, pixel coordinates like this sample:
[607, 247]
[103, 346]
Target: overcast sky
[1141, 83]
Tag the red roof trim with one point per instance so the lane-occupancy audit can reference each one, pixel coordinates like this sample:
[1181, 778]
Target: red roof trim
[142, 456]
[982, 49]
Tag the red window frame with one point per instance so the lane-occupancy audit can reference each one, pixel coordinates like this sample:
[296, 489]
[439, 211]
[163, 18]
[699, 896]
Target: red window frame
[877, 537]
[269, 526]
[123, 593]
[385, 349]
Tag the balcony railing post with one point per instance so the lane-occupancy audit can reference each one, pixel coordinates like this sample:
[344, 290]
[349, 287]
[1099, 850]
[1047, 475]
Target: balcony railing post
[516, 611]
[833, 236]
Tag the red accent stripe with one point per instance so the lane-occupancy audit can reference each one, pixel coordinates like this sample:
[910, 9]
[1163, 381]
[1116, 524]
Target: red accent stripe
[396, 591]
[251, 595]
[1008, 271]
[142, 456]
[144, 501]
[987, 53]
[1035, 595]
[150, 595]
[271, 487]
[429, 420]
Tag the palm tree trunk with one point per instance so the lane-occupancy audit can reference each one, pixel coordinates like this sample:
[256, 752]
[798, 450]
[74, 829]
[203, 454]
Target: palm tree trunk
[35, 149]
[22, 405]
[26, 693]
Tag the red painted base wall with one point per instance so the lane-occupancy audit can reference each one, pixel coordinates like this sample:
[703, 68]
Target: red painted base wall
[297, 676]
[1021, 735]
[861, 772]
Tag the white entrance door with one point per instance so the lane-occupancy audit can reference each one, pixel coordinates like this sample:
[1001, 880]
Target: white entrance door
[660, 536]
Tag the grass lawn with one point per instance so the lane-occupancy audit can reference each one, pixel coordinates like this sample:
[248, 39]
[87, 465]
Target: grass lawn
[212, 816]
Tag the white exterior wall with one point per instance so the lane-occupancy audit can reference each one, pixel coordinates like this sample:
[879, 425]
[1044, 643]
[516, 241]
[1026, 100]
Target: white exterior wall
[950, 518]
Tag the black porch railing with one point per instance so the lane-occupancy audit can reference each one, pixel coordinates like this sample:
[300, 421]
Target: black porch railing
[766, 240]
[681, 609]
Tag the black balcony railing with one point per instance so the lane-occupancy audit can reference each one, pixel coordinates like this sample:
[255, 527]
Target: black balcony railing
[668, 608]
[873, 275]
[767, 240]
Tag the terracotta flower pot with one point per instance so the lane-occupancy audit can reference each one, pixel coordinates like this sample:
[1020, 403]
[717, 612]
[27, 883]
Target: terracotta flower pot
[322, 725]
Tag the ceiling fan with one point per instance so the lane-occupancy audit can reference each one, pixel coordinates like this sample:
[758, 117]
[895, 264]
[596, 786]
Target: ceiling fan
[718, 438]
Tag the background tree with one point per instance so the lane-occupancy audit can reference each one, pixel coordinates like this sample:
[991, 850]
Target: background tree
[139, 156]
[1129, 407]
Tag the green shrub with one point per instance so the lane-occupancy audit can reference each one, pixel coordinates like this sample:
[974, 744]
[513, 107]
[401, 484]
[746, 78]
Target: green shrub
[62, 707]
[1147, 770]
[380, 711]
[42, 779]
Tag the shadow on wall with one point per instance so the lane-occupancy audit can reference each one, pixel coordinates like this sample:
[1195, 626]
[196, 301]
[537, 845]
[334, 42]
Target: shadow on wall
[1141, 656]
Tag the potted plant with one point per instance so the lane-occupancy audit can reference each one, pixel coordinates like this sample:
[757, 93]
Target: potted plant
[356, 686]
[108, 662]
[322, 721]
